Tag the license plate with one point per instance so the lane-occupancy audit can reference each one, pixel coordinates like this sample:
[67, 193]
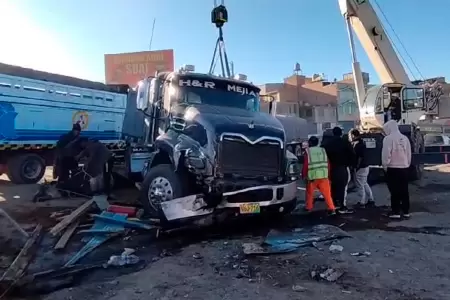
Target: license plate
[250, 208]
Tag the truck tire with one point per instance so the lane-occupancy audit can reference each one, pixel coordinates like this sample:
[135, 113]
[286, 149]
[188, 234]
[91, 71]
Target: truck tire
[416, 171]
[162, 180]
[26, 168]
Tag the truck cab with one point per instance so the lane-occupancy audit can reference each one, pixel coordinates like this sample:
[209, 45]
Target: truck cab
[402, 103]
[206, 136]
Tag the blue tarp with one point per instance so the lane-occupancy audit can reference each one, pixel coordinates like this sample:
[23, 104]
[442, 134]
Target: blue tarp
[283, 242]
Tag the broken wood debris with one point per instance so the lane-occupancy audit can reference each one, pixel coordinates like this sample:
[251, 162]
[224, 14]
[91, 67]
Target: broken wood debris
[98, 229]
[22, 260]
[56, 273]
[62, 242]
[74, 216]
[57, 214]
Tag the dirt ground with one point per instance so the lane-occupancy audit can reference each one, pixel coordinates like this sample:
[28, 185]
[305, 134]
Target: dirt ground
[407, 259]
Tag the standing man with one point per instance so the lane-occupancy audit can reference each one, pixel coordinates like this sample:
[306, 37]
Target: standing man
[315, 172]
[396, 159]
[99, 161]
[66, 150]
[361, 171]
[341, 156]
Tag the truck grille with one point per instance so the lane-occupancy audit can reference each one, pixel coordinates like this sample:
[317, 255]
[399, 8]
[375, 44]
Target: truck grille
[239, 157]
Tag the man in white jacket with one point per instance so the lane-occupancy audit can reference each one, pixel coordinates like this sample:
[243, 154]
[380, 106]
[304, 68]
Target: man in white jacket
[396, 159]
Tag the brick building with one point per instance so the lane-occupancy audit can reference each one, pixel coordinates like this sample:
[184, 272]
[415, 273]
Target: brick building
[322, 103]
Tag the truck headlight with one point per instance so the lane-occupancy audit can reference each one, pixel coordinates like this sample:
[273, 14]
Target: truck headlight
[293, 169]
[195, 158]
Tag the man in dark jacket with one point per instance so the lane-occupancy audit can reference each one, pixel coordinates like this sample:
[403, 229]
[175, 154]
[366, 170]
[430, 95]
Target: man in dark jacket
[341, 156]
[66, 150]
[361, 170]
[98, 161]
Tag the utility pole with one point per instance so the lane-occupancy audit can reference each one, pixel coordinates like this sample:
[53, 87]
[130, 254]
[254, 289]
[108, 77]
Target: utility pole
[150, 44]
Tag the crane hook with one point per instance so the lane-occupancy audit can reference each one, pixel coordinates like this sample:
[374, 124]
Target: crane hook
[219, 14]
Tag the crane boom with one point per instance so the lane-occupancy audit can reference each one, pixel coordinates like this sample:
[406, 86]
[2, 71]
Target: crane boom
[370, 32]
[396, 98]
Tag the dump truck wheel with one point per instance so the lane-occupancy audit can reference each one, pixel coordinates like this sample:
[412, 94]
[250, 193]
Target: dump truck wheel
[26, 168]
[161, 184]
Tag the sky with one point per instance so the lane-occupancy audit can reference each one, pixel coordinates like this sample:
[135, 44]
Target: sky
[264, 38]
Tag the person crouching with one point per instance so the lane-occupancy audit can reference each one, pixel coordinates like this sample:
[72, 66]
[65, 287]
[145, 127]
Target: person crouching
[315, 172]
[99, 161]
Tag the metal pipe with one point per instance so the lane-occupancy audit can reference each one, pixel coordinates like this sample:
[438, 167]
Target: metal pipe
[211, 68]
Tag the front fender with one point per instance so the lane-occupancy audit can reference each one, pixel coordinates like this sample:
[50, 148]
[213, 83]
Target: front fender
[175, 147]
[184, 143]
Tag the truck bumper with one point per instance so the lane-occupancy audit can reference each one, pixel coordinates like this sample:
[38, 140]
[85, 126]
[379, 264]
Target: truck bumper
[192, 206]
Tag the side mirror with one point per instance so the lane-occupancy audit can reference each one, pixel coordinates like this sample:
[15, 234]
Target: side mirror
[146, 93]
[272, 103]
[142, 95]
[153, 91]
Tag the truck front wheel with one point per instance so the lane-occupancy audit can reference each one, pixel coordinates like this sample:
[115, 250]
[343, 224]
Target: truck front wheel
[25, 168]
[161, 184]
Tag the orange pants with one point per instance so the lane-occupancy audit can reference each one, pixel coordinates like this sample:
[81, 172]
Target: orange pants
[323, 185]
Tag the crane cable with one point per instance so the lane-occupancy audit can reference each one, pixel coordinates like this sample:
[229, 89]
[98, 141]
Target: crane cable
[401, 43]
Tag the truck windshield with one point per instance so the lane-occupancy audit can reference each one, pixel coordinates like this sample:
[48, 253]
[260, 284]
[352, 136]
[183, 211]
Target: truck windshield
[218, 94]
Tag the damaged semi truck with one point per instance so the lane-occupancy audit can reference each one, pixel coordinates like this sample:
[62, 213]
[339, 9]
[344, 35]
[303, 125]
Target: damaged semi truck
[209, 148]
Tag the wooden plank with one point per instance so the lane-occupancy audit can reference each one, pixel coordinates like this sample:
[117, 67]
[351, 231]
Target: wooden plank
[77, 213]
[62, 242]
[20, 263]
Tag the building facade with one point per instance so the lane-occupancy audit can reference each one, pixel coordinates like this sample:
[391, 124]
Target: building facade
[324, 104]
[310, 98]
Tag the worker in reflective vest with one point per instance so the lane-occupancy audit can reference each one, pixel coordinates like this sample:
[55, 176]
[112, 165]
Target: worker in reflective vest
[315, 173]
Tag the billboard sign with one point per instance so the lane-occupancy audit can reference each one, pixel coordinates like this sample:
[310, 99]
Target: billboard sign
[129, 68]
